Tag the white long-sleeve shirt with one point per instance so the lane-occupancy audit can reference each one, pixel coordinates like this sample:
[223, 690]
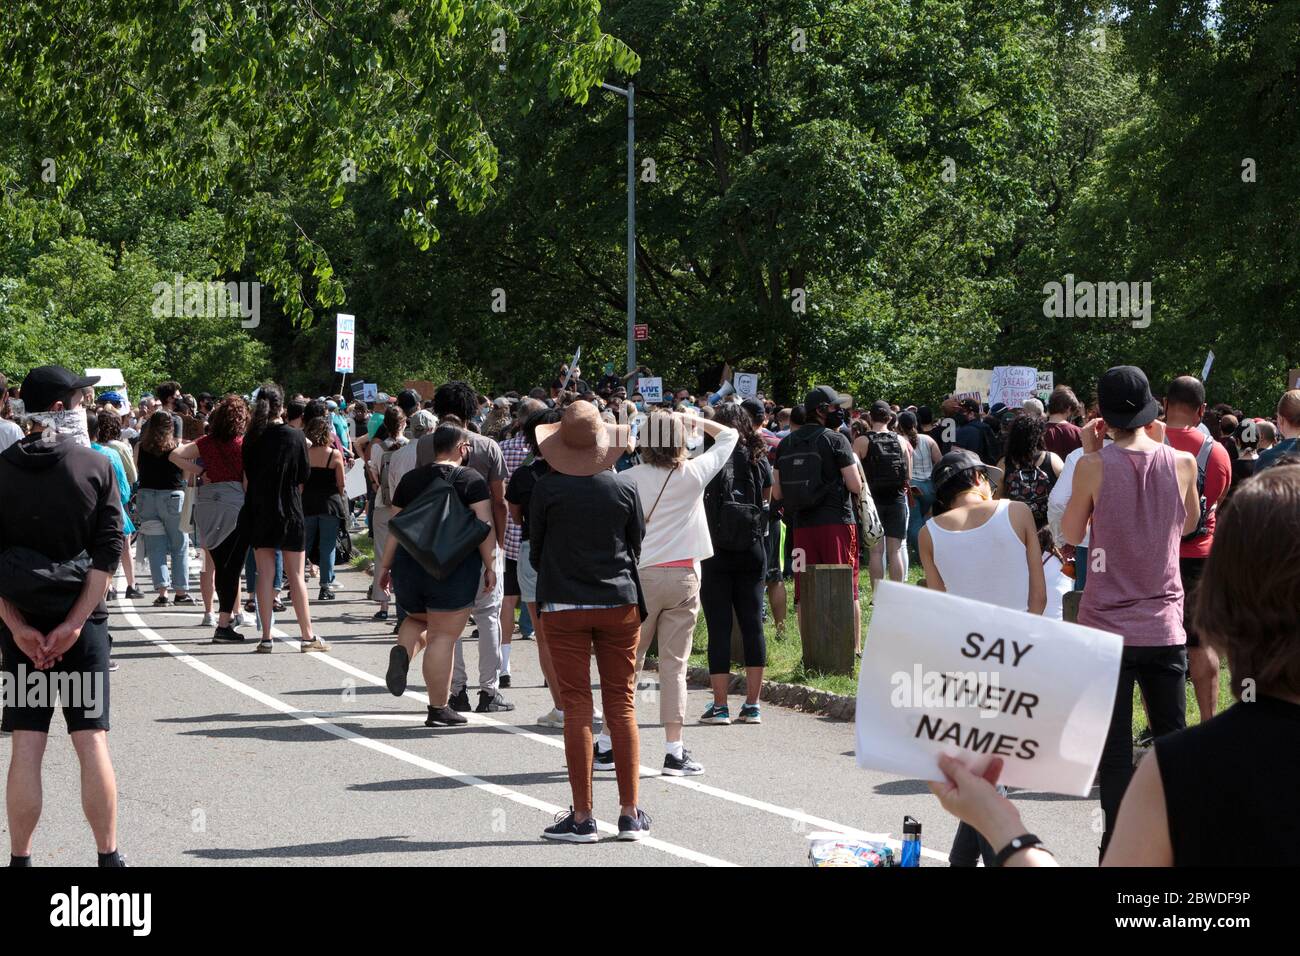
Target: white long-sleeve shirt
[678, 529]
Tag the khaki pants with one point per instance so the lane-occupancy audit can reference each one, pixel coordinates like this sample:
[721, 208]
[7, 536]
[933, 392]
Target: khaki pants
[672, 600]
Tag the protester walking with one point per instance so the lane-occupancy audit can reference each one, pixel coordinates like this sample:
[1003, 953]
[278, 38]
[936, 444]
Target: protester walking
[324, 496]
[160, 503]
[436, 609]
[276, 467]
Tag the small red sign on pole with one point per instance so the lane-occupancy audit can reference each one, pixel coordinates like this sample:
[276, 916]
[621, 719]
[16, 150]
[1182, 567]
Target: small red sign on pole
[640, 332]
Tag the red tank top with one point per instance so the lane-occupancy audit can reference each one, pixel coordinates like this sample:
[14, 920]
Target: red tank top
[222, 461]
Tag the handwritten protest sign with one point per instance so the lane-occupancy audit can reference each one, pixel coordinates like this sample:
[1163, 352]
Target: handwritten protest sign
[422, 387]
[973, 380]
[747, 384]
[1012, 384]
[652, 390]
[943, 674]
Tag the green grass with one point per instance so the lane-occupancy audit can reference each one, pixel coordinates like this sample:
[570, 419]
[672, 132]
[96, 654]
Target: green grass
[785, 657]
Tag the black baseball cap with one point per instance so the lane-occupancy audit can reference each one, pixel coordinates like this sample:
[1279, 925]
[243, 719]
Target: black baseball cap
[957, 461]
[408, 400]
[754, 407]
[825, 395]
[48, 384]
[1125, 399]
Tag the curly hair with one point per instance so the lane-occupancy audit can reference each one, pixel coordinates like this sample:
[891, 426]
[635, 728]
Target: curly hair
[1025, 442]
[734, 416]
[455, 398]
[229, 419]
[108, 426]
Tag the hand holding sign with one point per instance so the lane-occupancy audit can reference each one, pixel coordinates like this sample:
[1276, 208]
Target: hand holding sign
[947, 675]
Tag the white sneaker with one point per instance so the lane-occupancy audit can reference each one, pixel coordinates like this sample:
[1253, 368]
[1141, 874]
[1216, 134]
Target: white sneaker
[237, 619]
[553, 718]
[209, 619]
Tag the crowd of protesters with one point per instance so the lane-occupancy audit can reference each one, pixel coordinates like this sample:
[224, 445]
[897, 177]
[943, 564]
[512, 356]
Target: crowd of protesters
[609, 525]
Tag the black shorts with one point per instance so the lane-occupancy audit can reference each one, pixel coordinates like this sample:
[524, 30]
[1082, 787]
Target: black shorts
[1190, 570]
[79, 682]
[773, 552]
[512, 578]
[893, 515]
[417, 591]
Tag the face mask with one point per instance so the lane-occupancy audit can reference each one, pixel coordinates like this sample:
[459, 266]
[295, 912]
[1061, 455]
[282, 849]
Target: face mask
[835, 418]
[70, 423]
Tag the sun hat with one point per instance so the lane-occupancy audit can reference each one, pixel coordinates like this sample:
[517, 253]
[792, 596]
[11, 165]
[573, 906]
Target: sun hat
[580, 443]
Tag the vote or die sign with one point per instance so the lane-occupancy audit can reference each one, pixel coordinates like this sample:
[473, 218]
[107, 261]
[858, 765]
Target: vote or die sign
[345, 343]
[747, 384]
[652, 390]
[1012, 384]
[943, 674]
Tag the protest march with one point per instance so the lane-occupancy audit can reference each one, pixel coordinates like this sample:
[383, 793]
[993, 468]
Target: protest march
[725, 434]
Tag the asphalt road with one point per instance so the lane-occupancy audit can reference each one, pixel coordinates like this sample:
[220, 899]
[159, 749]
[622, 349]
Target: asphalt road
[228, 757]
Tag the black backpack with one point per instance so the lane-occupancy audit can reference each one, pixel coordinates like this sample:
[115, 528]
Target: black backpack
[886, 465]
[1202, 462]
[735, 524]
[803, 484]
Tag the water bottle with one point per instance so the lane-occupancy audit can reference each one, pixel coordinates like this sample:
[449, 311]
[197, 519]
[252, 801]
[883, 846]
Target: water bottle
[911, 855]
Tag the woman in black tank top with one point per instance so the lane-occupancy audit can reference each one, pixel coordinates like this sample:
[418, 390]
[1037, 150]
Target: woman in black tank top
[1222, 793]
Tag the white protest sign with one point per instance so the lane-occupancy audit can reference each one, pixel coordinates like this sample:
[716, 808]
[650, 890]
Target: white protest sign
[369, 392]
[354, 480]
[652, 390]
[1205, 369]
[943, 674]
[1012, 384]
[1046, 381]
[108, 377]
[747, 384]
[345, 343]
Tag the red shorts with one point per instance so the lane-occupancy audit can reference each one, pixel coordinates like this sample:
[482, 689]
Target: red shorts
[827, 544]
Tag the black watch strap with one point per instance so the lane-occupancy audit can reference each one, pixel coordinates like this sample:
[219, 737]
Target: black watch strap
[1022, 842]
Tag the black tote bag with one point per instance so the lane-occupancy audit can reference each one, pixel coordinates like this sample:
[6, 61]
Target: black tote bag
[438, 530]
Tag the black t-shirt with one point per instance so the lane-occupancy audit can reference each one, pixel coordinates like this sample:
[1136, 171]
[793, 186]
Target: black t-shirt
[520, 489]
[836, 453]
[469, 484]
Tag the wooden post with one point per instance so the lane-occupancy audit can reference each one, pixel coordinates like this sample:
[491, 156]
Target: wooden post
[826, 592]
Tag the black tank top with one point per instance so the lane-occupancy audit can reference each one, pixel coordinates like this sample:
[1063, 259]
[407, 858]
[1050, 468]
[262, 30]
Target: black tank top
[319, 488]
[159, 474]
[1232, 785]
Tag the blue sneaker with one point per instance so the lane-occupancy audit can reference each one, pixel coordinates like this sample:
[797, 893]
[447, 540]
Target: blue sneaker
[634, 828]
[716, 715]
[568, 829]
[749, 714]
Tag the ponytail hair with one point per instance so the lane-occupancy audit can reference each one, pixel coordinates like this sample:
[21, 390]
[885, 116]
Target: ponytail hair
[270, 402]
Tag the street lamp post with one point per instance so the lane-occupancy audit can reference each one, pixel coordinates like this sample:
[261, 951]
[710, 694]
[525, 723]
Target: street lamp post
[630, 95]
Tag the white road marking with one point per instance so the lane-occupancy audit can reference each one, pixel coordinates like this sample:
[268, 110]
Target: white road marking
[134, 619]
[788, 813]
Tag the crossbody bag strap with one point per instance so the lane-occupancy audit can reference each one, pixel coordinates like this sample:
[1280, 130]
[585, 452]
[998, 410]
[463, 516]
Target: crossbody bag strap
[660, 495]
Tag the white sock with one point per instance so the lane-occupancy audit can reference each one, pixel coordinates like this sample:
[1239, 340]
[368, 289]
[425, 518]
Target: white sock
[505, 658]
[604, 743]
[674, 748]
[559, 712]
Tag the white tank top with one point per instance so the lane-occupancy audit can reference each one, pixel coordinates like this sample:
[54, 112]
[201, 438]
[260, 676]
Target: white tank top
[985, 563]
